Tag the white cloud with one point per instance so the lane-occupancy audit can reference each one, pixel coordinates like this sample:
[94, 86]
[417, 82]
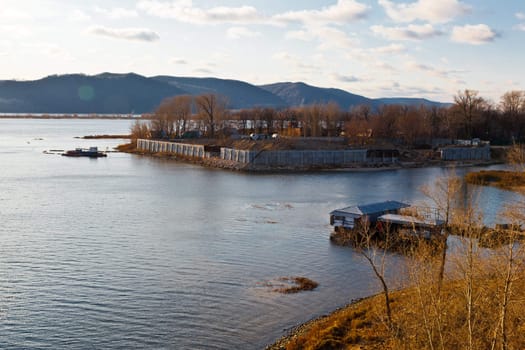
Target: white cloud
[296, 62]
[327, 36]
[203, 71]
[116, 13]
[389, 49]
[434, 11]
[346, 78]
[178, 60]
[241, 32]
[520, 15]
[343, 11]
[12, 31]
[137, 34]
[185, 11]
[50, 50]
[302, 35]
[14, 15]
[79, 16]
[473, 34]
[410, 32]
[521, 26]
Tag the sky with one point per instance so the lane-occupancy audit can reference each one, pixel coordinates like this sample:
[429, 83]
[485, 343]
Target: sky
[376, 48]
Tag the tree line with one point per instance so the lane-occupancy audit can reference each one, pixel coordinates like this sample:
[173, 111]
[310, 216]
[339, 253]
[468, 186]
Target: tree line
[470, 116]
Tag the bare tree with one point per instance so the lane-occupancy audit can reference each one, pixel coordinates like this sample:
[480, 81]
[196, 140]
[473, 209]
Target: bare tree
[139, 130]
[468, 106]
[376, 257]
[212, 108]
[444, 198]
[182, 110]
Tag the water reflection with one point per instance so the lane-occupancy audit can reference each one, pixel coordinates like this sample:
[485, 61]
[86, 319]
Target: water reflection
[130, 252]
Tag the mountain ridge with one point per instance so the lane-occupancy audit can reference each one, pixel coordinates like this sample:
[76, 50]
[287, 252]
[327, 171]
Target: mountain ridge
[124, 93]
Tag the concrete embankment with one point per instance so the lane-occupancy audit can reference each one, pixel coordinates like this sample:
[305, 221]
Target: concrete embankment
[264, 160]
[286, 160]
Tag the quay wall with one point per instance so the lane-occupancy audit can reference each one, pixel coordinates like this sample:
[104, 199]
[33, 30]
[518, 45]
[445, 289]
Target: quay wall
[295, 158]
[465, 153]
[181, 149]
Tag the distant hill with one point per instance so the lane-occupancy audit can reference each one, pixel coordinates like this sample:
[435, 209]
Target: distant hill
[132, 93]
[300, 94]
[76, 93]
[239, 93]
[408, 102]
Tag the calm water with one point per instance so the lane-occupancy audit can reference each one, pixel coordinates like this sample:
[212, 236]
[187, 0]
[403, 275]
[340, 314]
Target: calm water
[131, 252]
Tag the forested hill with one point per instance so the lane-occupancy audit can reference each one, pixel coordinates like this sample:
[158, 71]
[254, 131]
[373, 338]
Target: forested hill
[133, 93]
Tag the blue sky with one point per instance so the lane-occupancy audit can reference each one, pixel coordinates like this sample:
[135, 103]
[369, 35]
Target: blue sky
[379, 48]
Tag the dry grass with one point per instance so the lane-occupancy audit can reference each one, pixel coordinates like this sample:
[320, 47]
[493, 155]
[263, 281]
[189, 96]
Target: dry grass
[362, 325]
[513, 180]
[354, 326]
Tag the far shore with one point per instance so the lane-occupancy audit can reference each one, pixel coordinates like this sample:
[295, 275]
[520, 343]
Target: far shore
[71, 116]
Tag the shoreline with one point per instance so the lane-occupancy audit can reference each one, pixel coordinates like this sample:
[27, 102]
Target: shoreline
[216, 163]
[294, 332]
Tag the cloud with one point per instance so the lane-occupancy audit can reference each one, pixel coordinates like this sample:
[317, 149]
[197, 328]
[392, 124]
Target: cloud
[295, 62]
[203, 71]
[521, 26]
[520, 15]
[185, 11]
[137, 34]
[389, 49]
[343, 11]
[241, 32]
[433, 11]
[473, 34]
[116, 13]
[7, 14]
[327, 36]
[410, 32]
[346, 78]
[79, 16]
[13, 31]
[178, 60]
[302, 35]
[50, 50]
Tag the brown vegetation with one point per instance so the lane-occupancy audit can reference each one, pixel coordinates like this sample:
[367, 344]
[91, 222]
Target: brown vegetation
[476, 303]
[500, 178]
[471, 116]
[296, 284]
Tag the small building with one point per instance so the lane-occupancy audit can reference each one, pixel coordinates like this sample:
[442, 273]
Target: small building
[350, 217]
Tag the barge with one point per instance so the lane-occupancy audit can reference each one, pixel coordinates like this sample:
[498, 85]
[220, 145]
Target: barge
[91, 152]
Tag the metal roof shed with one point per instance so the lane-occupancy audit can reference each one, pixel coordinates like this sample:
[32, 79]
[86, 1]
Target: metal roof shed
[347, 216]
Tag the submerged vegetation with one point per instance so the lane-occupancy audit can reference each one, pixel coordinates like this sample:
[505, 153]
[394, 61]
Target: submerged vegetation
[500, 178]
[296, 284]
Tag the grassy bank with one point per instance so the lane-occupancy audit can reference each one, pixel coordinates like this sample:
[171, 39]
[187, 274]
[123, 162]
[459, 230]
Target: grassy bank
[421, 321]
[510, 180]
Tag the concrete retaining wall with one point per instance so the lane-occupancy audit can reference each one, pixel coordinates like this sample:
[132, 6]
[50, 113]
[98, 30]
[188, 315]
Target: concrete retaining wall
[182, 149]
[465, 153]
[299, 159]
[295, 158]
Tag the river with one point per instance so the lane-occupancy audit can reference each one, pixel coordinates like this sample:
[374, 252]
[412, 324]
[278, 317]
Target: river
[134, 252]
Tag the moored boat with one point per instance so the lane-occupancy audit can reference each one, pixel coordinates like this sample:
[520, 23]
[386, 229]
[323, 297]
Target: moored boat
[91, 152]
